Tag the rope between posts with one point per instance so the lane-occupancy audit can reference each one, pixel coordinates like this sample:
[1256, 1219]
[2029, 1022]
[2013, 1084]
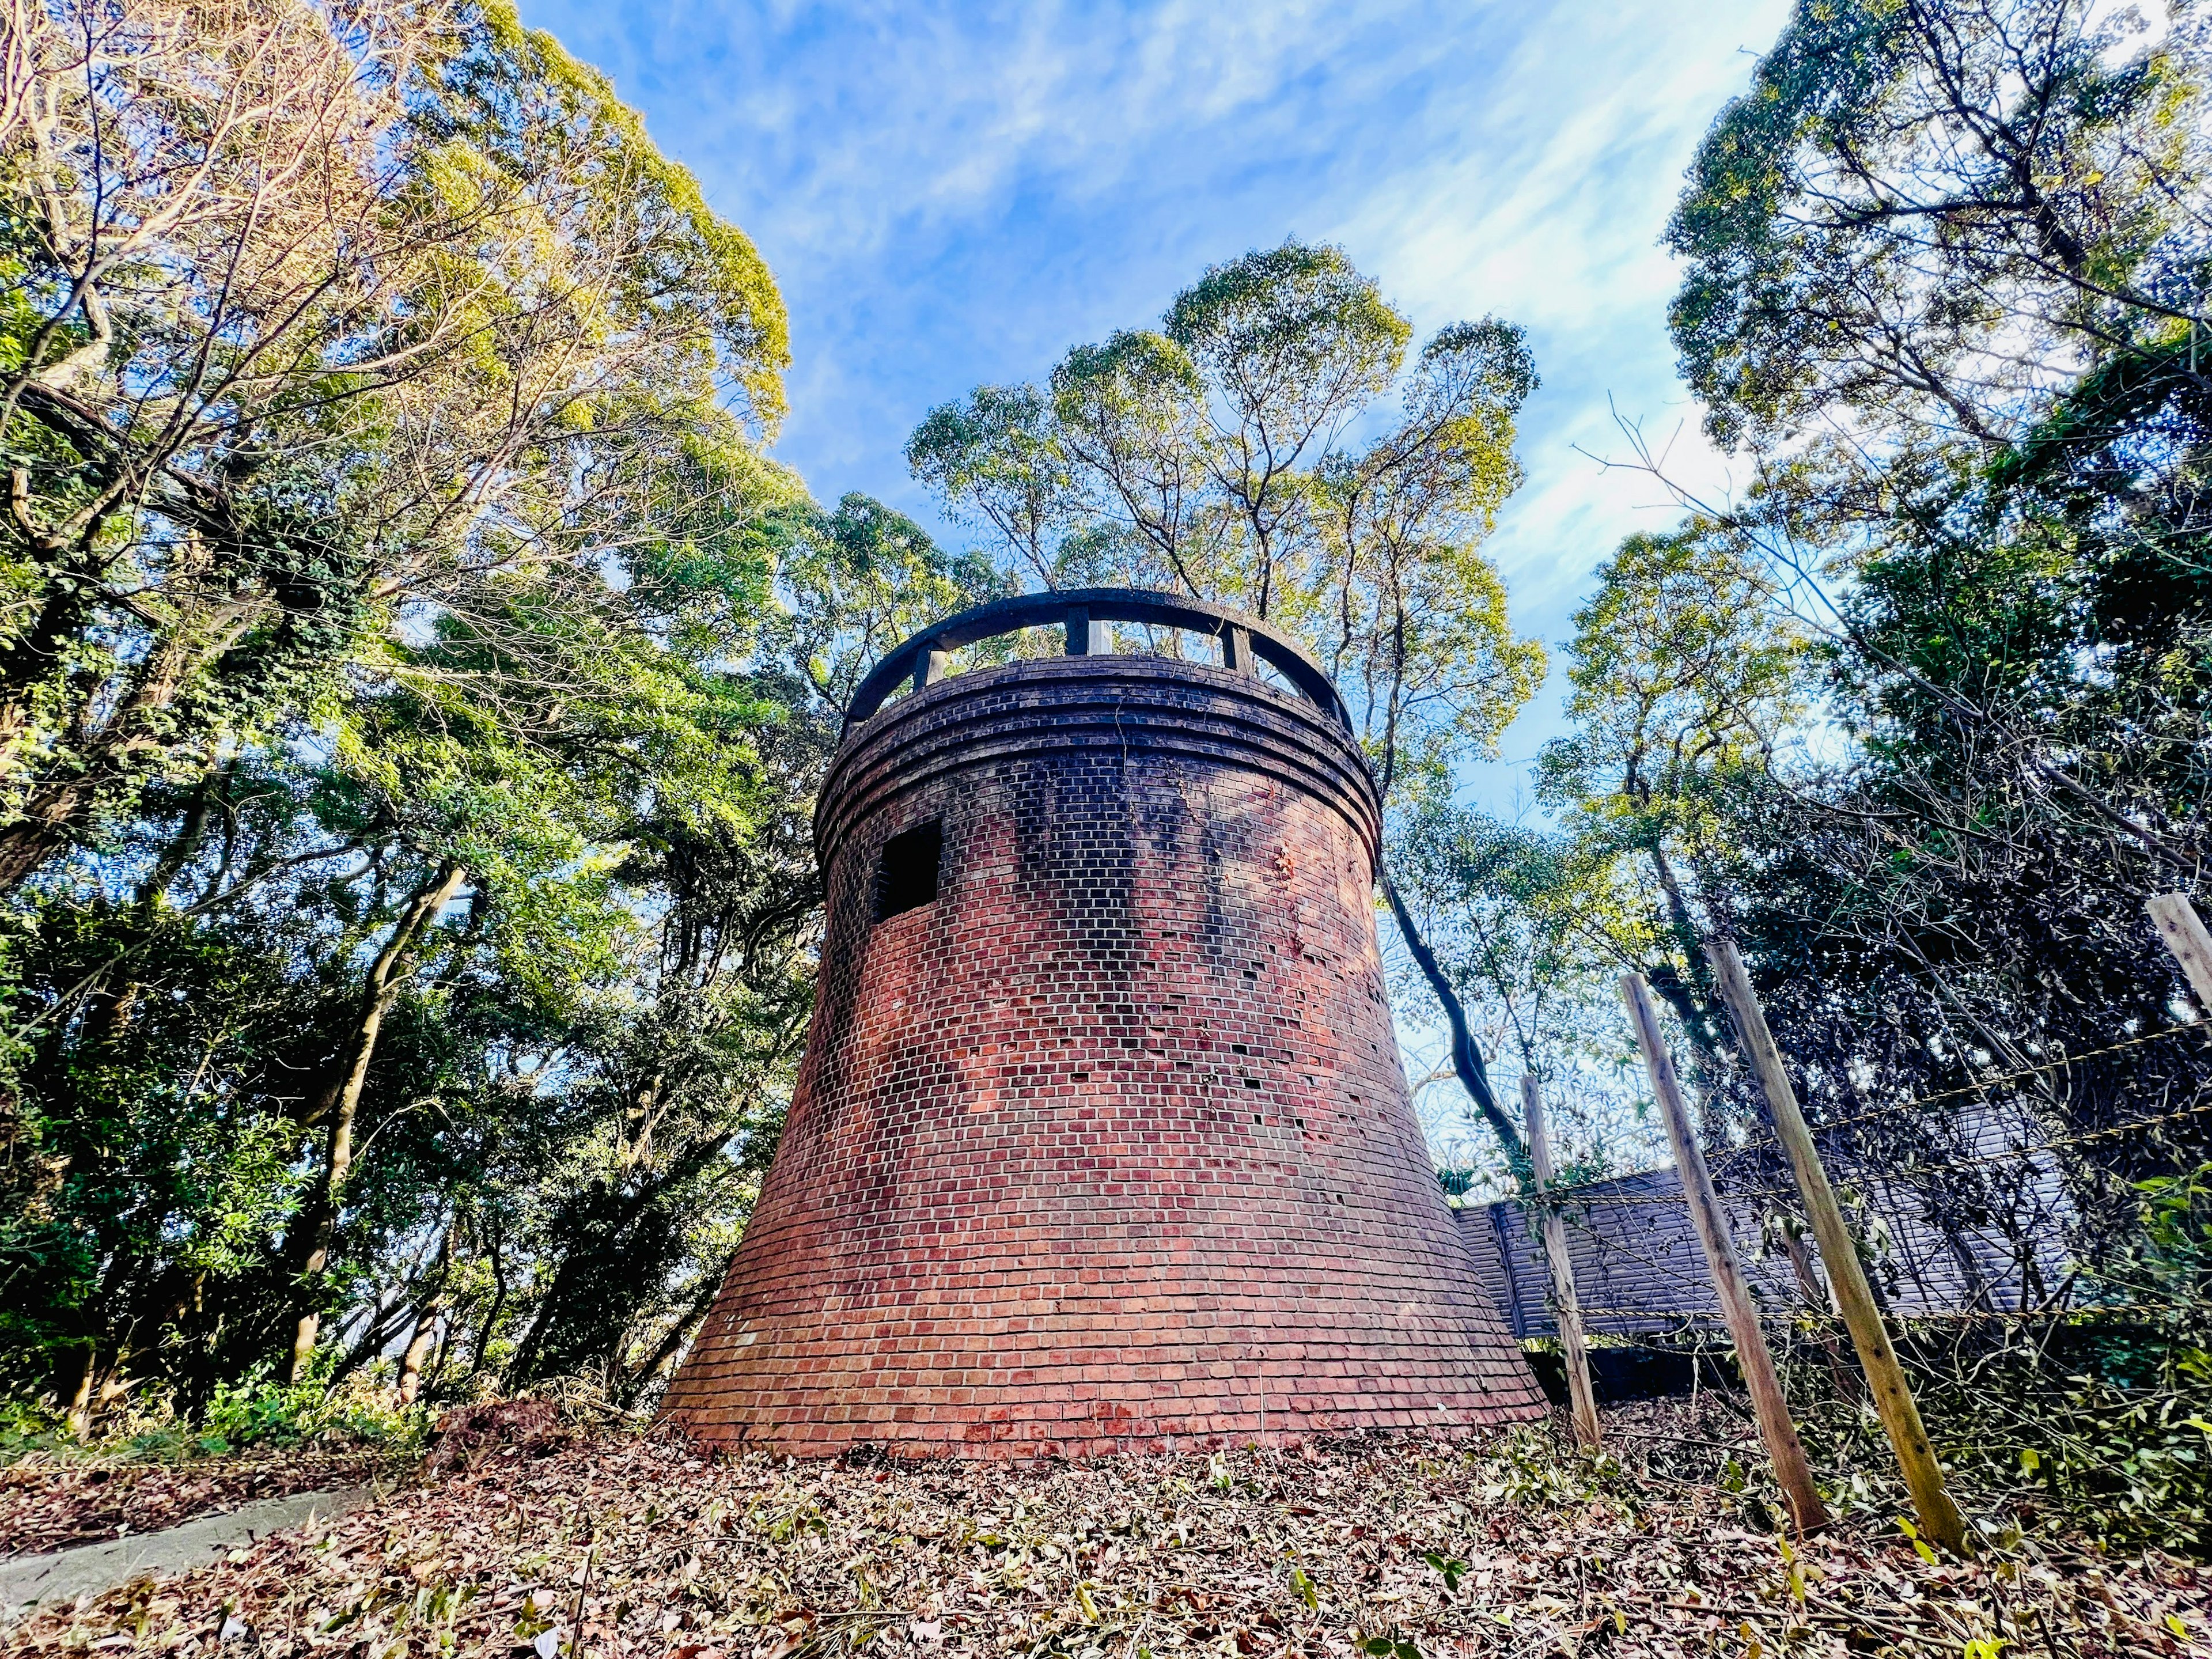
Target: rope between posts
[1983, 1087]
[1554, 1195]
[1686, 1317]
[1679, 1316]
[2058, 1144]
[1988, 1084]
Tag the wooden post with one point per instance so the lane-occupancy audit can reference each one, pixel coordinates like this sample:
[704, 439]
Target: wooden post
[2183, 930]
[1583, 1398]
[1893, 1398]
[929, 666]
[1752, 1357]
[1237, 650]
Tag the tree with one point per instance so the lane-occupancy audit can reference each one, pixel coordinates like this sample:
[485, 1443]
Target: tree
[1946, 286]
[412, 702]
[1209, 458]
[1687, 676]
[1531, 926]
[320, 317]
[1928, 219]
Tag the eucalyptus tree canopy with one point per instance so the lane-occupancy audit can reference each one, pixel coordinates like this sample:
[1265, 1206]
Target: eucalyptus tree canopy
[1684, 672]
[1932, 216]
[1243, 452]
[320, 320]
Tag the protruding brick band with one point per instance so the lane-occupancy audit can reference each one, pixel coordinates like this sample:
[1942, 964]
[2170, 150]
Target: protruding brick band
[1107, 1147]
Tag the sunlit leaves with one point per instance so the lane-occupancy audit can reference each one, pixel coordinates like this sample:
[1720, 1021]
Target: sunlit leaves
[1685, 672]
[1213, 456]
[1941, 215]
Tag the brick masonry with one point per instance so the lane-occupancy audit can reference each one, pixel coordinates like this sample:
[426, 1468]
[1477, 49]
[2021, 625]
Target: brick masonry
[1639, 1268]
[1108, 1147]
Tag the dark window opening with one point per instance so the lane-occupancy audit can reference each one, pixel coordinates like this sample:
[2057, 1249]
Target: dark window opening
[907, 877]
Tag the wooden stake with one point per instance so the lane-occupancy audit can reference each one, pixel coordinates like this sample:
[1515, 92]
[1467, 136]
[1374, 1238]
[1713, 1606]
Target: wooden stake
[1893, 1398]
[1579, 1392]
[2183, 930]
[1752, 1357]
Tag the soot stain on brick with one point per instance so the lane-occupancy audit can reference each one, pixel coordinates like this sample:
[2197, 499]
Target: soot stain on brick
[981, 1283]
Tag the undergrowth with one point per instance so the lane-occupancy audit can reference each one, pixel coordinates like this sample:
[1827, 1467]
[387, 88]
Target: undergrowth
[257, 1413]
[2096, 1420]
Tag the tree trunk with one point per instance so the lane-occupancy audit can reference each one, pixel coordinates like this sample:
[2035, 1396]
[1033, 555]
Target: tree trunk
[498, 1305]
[426, 1324]
[1467, 1055]
[1692, 998]
[80, 1407]
[340, 1100]
[41, 831]
[418, 1351]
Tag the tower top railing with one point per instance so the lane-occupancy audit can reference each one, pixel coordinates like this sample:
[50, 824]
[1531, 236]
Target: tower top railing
[1086, 613]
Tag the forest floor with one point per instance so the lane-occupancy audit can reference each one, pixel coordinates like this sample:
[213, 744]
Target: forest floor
[49, 1503]
[611, 1545]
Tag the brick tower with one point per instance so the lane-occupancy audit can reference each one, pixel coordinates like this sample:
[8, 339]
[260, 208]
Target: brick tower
[1100, 1140]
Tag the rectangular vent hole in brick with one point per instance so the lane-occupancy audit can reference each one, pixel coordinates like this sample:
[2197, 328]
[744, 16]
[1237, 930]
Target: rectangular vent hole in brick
[907, 877]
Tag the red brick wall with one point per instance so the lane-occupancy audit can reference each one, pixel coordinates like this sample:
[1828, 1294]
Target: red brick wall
[1109, 1146]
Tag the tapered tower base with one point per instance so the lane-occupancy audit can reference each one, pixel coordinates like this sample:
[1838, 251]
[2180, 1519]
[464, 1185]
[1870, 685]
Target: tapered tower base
[1101, 1141]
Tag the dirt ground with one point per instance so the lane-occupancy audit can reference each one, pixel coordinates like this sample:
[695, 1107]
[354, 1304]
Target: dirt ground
[615, 1546]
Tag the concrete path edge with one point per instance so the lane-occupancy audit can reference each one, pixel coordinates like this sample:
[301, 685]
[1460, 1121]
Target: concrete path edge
[32, 1582]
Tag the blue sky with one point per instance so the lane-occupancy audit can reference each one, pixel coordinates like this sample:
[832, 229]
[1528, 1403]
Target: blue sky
[953, 193]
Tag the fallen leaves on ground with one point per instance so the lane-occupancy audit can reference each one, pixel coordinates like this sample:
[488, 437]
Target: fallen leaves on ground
[1391, 1549]
[48, 1505]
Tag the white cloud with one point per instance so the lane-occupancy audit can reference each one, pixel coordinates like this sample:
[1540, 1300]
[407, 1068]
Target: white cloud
[955, 194]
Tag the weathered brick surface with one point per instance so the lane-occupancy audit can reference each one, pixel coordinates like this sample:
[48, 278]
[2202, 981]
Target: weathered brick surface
[1108, 1147]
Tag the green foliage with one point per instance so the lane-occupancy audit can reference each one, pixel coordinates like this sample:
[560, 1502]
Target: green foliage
[1529, 927]
[257, 1411]
[253, 1413]
[1684, 678]
[860, 580]
[484, 334]
[1921, 721]
[1927, 215]
[1208, 457]
[1450, 1569]
[2093, 1422]
[996, 455]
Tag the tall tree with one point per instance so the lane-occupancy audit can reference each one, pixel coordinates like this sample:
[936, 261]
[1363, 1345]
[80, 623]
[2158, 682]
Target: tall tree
[1213, 457]
[1687, 676]
[319, 316]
